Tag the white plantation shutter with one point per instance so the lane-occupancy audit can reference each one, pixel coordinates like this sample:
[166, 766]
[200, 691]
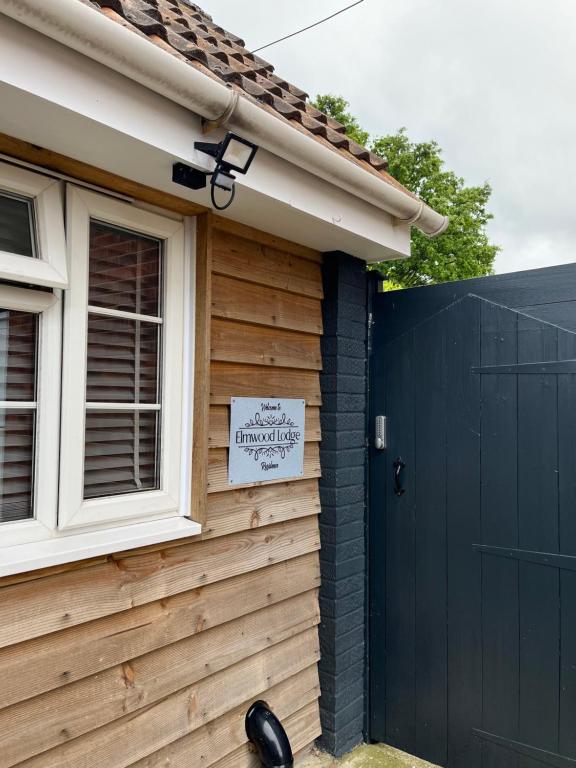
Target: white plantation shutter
[122, 360]
[123, 397]
[18, 333]
[121, 452]
[94, 432]
[122, 378]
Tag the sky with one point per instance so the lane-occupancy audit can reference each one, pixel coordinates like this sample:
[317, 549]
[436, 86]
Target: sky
[493, 81]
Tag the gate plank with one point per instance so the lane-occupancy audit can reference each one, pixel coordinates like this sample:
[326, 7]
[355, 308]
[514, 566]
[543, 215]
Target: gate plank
[565, 562]
[538, 529]
[547, 366]
[463, 528]
[431, 593]
[534, 758]
[527, 543]
[561, 313]
[530, 291]
[400, 615]
[500, 622]
[567, 528]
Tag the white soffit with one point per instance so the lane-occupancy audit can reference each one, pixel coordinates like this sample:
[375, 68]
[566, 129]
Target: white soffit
[88, 112]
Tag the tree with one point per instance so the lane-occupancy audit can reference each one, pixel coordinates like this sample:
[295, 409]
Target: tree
[464, 249]
[337, 108]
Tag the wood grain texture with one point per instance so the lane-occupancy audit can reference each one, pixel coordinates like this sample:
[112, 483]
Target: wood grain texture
[53, 661]
[219, 434]
[135, 736]
[264, 238]
[263, 305]
[149, 658]
[257, 263]
[227, 733]
[77, 597]
[34, 726]
[302, 728]
[218, 469]
[229, 380]
[42, 573]
[243, 343]
[202, 333]
[255, 507]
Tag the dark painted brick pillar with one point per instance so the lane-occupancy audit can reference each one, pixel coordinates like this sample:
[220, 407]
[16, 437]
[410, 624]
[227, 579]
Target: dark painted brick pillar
[342, 492]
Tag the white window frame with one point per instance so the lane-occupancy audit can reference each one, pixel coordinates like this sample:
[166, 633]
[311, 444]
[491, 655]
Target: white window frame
[47, 405]
[48, 267]
[75, 511]
[65, 527]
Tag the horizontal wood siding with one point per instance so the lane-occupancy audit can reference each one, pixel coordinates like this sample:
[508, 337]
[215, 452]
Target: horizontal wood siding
[150, 658]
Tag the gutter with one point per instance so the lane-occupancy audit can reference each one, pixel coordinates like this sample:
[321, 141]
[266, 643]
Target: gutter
[80, 27]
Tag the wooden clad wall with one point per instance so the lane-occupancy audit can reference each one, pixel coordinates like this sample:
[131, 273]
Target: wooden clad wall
[149, 659]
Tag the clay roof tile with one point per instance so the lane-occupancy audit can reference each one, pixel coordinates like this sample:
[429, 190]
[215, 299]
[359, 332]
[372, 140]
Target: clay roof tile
[189, 32]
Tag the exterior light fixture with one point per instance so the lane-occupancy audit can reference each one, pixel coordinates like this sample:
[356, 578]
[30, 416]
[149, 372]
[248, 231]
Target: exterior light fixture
[232, 155]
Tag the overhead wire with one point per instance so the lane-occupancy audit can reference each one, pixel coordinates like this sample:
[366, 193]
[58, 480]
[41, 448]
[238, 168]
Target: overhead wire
[305, 29]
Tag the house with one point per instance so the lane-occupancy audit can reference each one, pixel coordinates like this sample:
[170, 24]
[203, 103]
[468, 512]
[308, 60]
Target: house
[146, 599]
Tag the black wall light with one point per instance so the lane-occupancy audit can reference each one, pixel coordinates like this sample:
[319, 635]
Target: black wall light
[233, 154]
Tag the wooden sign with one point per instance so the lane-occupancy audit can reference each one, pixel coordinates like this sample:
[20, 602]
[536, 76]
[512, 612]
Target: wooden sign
[266, 439]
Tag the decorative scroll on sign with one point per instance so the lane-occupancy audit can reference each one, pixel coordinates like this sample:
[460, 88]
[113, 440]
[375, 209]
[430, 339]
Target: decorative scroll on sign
[266, 439]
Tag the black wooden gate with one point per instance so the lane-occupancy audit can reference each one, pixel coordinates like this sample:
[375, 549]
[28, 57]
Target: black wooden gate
[473, 537]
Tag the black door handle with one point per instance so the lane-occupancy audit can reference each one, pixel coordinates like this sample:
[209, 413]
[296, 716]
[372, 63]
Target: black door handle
[398, 467]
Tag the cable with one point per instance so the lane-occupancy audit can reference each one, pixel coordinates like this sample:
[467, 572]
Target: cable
[305, 29]
[213, 197]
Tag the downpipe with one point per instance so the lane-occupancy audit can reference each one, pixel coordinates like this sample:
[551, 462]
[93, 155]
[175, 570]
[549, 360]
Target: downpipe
[267, 734]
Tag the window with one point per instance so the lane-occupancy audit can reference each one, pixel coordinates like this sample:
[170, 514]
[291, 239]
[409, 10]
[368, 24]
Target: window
[98, 463]
[18, 335]
[29, 369]
[16, 225]
[122, 410]
[123, 382]
[32, 243]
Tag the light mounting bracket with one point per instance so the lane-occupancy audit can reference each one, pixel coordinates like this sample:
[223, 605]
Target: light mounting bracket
[232, 154]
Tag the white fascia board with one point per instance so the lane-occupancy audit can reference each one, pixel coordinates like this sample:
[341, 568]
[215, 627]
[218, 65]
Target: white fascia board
[38, 66]
[86, 111]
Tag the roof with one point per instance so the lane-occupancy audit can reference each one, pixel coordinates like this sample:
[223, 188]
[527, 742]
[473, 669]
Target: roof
[187, 32]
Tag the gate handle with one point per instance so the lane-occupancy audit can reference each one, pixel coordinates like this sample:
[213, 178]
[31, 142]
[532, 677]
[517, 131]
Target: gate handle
[398, 467]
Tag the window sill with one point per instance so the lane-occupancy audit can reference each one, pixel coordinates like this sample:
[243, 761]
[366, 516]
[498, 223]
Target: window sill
[68, 549]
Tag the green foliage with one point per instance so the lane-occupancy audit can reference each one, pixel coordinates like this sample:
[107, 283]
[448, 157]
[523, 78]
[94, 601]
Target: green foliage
[337, 108]
[464, 250]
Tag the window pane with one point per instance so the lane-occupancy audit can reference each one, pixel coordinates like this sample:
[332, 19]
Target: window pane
[16, 226]
[124, 270]
[122, 360]
[17, 355]
[121, 452]
[16, 464]
[18, 332]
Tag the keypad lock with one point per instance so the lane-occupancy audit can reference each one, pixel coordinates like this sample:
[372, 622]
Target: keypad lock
[380, 433]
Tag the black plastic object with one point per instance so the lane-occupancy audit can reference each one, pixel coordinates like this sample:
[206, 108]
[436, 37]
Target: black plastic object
[398, 467]
[266, 732]
[189, 177]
